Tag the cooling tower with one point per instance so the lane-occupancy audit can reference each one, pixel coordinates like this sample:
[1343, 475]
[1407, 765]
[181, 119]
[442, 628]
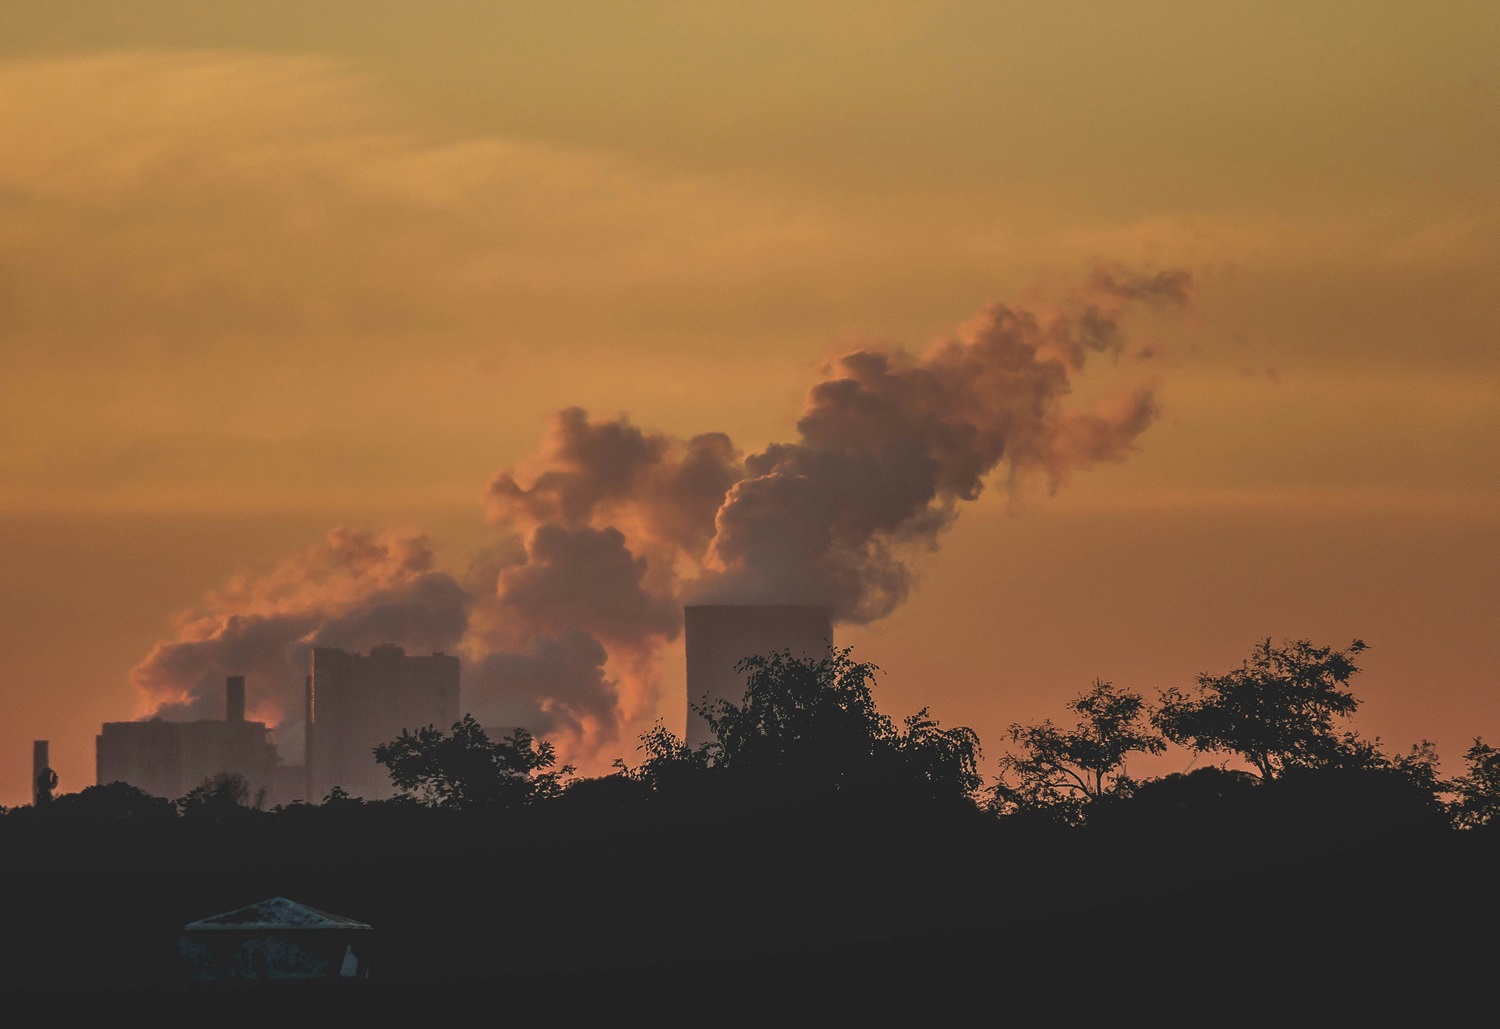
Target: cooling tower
[720, 636]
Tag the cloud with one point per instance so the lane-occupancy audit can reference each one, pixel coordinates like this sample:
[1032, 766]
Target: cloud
[163, 200]
[354, 589]
[891, 443]
[594, 472]
[609, 528]
[555, 687]
[583, 578]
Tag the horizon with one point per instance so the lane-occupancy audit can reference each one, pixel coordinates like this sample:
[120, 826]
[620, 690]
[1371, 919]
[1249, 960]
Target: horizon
[343, 323]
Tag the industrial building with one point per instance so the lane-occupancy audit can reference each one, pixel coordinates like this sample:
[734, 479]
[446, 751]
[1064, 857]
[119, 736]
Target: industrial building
[719, 636]
[357, 702]
[168, 759]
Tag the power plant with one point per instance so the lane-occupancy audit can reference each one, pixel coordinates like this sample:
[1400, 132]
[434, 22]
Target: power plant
[354, 703]
[357, 702]
[169, 759]
[719, 636]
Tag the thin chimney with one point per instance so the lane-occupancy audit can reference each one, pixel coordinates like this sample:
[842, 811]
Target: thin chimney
[308, 713]
[41, 769]
[234, 698]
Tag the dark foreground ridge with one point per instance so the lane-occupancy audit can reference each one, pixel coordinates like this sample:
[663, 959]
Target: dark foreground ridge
[814, 862]
[612, 906]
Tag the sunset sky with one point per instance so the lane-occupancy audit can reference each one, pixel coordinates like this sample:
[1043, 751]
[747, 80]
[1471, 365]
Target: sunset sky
[292, 296]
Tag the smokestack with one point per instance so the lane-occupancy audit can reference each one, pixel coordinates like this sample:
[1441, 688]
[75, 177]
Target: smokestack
[41, 773]
[720, 636]
[307, 739]
[234, 698]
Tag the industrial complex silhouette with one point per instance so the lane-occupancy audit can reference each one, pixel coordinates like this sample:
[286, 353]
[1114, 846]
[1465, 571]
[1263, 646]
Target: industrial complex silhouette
[355, 702]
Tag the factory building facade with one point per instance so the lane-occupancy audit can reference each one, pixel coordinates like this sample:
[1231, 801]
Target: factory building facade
[720, 636]
[168, 759]
[356, 702]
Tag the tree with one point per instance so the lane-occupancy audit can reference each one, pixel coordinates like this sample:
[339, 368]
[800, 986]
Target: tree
[217, 799]
[466, 769]
[813, 719]
[115, 803]
[1419, 766]
[811, 725]
[670, 763]
[1059, 772]
[340, 797]
[938, 762]
[46, 782]
[1477, 800]
[1278, 710]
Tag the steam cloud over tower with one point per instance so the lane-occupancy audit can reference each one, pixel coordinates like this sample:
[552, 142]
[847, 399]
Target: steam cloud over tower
[720, 636]
[610, 529]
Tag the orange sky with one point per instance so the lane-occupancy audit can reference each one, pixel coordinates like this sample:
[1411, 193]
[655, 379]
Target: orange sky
[270, 269]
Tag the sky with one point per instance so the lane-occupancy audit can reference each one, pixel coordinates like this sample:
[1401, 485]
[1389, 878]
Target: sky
[1049, 343]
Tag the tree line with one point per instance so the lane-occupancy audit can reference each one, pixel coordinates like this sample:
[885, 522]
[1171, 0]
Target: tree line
[810, 728]
[815, 840]
[807, 731]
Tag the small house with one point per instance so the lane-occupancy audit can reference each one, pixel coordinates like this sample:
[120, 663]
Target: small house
[276, 938]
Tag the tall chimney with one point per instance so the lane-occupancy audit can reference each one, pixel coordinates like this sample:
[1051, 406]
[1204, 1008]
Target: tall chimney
[41, 773]
[234, 698]
[307, 739]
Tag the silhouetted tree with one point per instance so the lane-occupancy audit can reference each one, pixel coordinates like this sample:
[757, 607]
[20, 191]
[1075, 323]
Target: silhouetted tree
[338, 797]
[218, 798]
[1477, 800]
[1187, 798]
[811, 725]
[670, 764]
[46, 782]
[466, 769]
[116, 803]
[1277, 710]
[1419, 766]
[1059, 772]
[814, 718]
[938, 762]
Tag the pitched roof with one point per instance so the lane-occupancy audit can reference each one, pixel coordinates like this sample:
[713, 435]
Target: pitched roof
[275, 913]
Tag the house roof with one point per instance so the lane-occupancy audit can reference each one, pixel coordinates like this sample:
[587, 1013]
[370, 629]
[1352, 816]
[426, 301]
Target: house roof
[275, 913]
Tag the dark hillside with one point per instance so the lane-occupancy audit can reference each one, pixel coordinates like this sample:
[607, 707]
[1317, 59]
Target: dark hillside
[643, 906]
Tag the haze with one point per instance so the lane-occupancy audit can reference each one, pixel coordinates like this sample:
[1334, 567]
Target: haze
[269, 274]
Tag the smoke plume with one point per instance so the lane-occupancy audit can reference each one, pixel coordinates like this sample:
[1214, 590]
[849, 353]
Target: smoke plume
[353, 590]
[610, 528]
